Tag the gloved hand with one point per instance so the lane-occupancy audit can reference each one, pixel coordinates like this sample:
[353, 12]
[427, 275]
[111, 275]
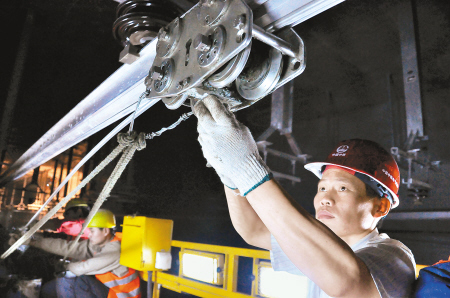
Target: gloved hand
[225, 180]
[228, 146]
[14, 237]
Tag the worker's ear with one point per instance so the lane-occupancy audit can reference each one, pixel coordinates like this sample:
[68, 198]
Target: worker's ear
[382, 208]
[105, 231]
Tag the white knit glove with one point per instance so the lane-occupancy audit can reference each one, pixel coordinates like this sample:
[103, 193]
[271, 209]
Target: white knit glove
[225, 180]
[229, 147]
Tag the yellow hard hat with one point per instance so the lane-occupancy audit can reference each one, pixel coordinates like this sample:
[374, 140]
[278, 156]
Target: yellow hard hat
[103, 219]
[76, 203]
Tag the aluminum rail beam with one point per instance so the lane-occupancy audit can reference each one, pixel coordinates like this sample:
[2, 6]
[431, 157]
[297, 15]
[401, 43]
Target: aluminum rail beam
[117, 96]
[273, 15]
[112, 100]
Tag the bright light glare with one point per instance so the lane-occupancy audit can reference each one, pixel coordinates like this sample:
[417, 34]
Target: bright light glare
[281, 284]
[203, 268]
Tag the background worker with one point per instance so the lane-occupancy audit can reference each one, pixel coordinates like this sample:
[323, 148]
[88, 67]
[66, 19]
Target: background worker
[97, 271]
[75, 213]
[340, 250]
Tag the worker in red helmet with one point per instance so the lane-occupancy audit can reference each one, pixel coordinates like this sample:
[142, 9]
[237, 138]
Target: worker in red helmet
[75, 212]
[340, 249]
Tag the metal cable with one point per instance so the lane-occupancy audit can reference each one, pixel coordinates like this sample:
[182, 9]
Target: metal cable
[183, 117]
[143, 95]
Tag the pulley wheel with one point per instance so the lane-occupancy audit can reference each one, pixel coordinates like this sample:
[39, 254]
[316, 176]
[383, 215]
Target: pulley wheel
[228, 73]
[173, 103]
[261, 74]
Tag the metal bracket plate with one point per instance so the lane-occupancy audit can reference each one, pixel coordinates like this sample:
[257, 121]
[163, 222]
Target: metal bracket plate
[187, 71]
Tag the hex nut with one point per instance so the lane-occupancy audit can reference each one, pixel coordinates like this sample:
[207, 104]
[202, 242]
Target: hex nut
[202, 43]
[157, 73]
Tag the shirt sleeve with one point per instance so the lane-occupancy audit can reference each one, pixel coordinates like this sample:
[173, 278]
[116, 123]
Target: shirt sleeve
[280, 261]
[392, 269]
[102, 262]
[61, 247]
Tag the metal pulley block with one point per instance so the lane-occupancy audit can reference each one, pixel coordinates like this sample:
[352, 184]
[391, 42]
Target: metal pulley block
[209, 47]
[199, 43]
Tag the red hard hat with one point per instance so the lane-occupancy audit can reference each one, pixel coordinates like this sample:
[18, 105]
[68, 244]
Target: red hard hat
[366, 157]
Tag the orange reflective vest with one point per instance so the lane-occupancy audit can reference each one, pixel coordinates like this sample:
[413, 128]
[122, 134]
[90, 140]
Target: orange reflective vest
[126, 286]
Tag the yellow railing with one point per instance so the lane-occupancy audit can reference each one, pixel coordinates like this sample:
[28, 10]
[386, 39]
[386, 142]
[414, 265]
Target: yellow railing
[179, 283]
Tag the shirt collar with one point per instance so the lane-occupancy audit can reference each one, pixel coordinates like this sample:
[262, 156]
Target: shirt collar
[362, 243]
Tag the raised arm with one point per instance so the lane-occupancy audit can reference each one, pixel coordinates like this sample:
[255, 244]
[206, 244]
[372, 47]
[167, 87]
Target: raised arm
[245, 220]
[312, 247]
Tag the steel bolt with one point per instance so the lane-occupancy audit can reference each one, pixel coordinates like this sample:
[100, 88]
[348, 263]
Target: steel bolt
[207, 3]
[148, 81]
[186, 82]
[202, 43]
[239, 22]
[157, 73]
[163, 34]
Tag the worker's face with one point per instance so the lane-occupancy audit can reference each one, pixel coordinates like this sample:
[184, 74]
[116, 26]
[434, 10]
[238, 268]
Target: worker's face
[99, 236]
[342, 204]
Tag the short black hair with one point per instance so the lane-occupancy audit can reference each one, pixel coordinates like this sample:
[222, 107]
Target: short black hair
[112, 231]
[371, 193]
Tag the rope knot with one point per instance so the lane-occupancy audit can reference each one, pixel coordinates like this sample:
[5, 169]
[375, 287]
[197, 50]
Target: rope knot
[126, 139]
[141, 144]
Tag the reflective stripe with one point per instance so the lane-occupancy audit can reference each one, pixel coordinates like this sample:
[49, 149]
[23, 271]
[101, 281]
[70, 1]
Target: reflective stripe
[133, 293]
[123, 281]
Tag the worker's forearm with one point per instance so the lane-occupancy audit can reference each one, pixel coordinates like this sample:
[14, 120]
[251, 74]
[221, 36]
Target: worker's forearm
[61, 247]
[311, 246]
[245, 220]
[106, 262]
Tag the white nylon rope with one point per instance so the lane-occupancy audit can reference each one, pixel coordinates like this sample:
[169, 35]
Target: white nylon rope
[55, 209]
[134, 143]
[138, 143]
[113, 133]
